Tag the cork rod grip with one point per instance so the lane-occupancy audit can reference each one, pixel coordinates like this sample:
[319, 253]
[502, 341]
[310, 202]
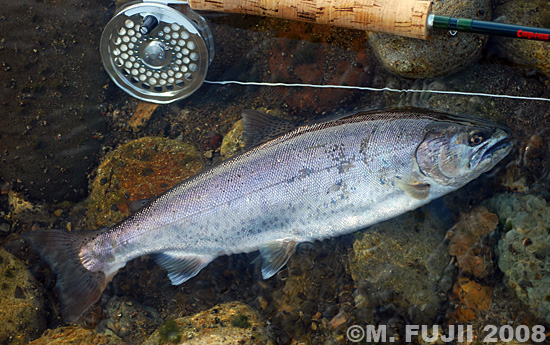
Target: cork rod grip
[401, 17]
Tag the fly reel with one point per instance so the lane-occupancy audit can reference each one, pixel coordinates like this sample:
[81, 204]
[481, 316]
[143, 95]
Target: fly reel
[156, 53]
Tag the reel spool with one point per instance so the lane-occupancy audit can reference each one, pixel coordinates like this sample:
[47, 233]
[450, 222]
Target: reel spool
[156, 53]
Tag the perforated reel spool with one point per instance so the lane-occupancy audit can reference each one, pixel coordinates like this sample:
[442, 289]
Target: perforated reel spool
[169, 63]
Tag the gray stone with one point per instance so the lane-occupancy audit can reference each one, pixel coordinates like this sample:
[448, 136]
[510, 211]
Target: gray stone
[441, 54]
[402, 265]
[128, 320]
[528, 53]
[524, 250]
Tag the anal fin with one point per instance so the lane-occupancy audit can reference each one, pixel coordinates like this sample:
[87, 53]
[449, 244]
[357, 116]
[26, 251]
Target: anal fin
[275, 255]
[182, 267]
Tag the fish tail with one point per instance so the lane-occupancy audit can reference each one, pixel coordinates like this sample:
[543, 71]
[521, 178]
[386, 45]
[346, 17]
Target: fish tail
[77, 287]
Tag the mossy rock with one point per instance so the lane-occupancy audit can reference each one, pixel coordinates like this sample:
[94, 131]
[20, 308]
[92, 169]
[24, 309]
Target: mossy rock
[140, 169]
[20, 302]
[75, 336]
[228, 323]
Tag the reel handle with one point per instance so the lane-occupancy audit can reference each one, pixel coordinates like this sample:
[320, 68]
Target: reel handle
[401, 17]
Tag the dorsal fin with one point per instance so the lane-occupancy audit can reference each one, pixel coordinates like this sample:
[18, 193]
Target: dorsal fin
[260, 127]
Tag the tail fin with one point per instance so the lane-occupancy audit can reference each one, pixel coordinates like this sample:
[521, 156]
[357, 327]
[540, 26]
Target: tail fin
[77, 287]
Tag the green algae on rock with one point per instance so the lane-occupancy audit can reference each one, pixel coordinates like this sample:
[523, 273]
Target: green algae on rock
[139, 169]
[441, 54]
[75, 336]
[233, 140]
[213, 326]
[21, 302]
[524, 250]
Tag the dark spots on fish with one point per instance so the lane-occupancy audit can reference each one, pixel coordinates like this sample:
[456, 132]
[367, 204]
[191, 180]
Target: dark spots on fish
[147, 171]
[382, 181]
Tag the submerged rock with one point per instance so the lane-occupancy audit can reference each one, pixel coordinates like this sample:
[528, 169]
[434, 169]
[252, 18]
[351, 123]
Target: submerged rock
[441, 54]
[21, 302]
[471, 299]
[140, 169]
[400, 268]
[228, 323]
[23, 210]
[129, 320]
[531, 54]
[75, 336]
[524, 250]
[465, 242]
[233, 140]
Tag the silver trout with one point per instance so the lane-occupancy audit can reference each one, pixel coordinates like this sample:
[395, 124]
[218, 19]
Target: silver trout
[312, 182]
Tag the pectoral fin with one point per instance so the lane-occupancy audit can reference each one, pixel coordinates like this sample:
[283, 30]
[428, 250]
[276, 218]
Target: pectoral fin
[414, 189]
[182, 267]
[275, 255]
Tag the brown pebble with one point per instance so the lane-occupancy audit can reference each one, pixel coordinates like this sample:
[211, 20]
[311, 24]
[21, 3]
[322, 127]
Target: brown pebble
[262, 302]
[338, 320]
[4, 189]
[58, 212]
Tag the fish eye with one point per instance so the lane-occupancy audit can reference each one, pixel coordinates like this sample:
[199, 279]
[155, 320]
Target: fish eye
[476, 138]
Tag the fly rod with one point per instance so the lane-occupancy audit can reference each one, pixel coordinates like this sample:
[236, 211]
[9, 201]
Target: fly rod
[159, 54]
[410, 18]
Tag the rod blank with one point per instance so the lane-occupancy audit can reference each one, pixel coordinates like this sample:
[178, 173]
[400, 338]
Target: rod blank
[489, 28]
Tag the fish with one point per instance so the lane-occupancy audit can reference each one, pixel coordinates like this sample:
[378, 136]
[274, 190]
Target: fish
[292, 184]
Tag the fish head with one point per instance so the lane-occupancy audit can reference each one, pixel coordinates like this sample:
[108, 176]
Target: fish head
[459, 149]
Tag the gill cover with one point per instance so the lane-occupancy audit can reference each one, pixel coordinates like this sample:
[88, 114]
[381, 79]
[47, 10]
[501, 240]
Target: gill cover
[456, 151]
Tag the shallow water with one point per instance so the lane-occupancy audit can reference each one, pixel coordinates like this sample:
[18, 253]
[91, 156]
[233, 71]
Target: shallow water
[62, 115]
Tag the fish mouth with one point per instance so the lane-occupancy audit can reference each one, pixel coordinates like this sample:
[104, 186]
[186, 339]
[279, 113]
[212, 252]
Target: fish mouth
[502, 145]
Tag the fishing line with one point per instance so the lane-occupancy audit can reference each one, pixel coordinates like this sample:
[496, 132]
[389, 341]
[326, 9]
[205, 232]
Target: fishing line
[368, 88]
[160, 54]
